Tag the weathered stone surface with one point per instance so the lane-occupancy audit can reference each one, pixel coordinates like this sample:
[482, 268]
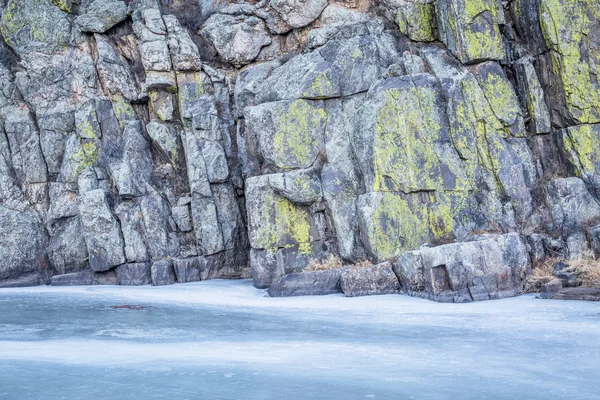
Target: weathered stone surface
[102, 15]
[101, 231]
[284, 15]
[562, 272]
[134, 274]
[581, 144]
[470, 28]
[491, 268]
[289, 133]
[22, 244]
[550, 289]
[289, 224]
[34, 25]
[67, 250]
[86, 277]
[585, 294]
[283, 132]
[569, 29]
[572, 209]
[416, 19]
[375, 280]
[532, 95]
[162, 273]
[316, 283]
[184, 52]
[238, 39]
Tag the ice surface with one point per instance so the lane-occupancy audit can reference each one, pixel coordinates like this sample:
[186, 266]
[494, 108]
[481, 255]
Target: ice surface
[226, 340]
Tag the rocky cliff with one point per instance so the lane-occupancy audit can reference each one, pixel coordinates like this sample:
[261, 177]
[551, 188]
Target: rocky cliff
[176, 140]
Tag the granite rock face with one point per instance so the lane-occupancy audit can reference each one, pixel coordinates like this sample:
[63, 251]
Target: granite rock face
[176, 141]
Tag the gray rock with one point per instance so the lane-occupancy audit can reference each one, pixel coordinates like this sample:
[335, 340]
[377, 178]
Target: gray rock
[532, 95]
[470, 29]
[182, 217]
[561, 271]
[86, 277]
[238, 39]
[308, 76]
[101, 231]
[162, 273]
[114, 72]
[23, 281]
[495, 267]
[585, 294]
[316, 283]
[32, 26]
[155, 217]
[131, 221]
[189, 269]
[22, 244]
[134, 274]
[375, 280]
[216, 162]
[184, 52]
[284, 15]
[102, 15]
[550, 289]
[289, 133]
[67, 249]
[572, 209]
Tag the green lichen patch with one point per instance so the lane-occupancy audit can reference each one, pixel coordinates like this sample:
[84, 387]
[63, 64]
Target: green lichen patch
[417, 21]
[471, 29]
[299, 135]
[34, 25]
[123, 111]
[501, 97]
[85, 157]
[278, 223]
[567, 28]
[392, 224]
[410, 145]
[582, 145]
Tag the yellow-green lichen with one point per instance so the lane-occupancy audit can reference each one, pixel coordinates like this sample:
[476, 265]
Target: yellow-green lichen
[64, 5]
[582, 144]
[283, 225]
[502, 100]
[477, 37]
[417, 21]
[162, 104]
[298, 136]
[567, 28]
[321, 87]
[84, 157]
[21, 26]
[405, 154]
[395, 225]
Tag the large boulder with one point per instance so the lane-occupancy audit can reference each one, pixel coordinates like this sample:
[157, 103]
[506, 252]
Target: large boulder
[375, 280]
[134, 274]
[495, 267]
[315, 283]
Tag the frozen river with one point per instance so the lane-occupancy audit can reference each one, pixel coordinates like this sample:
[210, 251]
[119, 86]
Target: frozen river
[225, 340]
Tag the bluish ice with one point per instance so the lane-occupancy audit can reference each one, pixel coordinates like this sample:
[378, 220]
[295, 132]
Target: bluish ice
[226, 340]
